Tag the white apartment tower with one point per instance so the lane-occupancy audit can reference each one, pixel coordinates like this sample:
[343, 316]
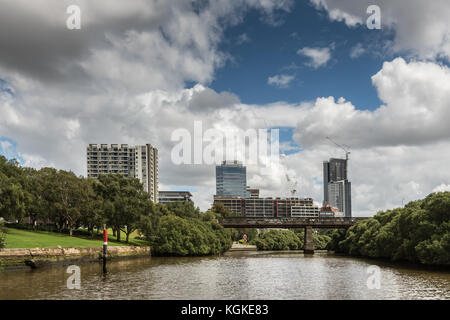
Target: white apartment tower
[131, 161]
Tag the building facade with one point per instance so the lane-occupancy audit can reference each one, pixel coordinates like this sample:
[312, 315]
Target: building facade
[231, 180]
[139, 162]
[173, 196]
[252, 192]
[269, 207]
[337, 188]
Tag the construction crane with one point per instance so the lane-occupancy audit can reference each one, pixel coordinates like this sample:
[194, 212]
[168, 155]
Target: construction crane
[292, 185]
[343, 147]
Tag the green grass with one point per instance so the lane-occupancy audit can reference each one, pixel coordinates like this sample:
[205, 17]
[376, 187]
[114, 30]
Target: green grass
[123, 236]
[16, 238]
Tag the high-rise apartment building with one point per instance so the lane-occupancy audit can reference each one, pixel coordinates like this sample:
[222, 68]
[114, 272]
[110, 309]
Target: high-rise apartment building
[231, 180]
[139, 162]
[336, 187]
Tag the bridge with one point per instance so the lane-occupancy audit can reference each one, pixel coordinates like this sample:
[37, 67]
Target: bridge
[289, 223]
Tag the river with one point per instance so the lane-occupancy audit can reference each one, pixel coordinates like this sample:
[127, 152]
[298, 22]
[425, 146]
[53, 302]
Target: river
[235, 275]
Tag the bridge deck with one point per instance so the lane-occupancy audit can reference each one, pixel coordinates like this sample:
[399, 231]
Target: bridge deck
[253, 222]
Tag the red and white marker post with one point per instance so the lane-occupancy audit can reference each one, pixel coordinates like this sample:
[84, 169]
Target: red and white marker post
[105, 246]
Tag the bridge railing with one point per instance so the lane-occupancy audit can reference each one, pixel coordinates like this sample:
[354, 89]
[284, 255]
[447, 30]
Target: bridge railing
[241, 219]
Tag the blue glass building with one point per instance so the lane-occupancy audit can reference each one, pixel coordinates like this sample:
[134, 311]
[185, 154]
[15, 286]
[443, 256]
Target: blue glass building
[231, 180]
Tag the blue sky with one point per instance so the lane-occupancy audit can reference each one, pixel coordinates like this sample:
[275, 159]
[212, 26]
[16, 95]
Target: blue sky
[272, 50]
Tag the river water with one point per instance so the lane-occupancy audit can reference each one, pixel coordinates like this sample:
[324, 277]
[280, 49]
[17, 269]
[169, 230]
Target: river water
[236, 275]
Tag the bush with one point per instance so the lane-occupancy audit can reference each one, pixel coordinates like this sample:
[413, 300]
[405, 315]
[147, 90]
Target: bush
[418, 233]
[278, 240]
[189, 237]
[2, 236]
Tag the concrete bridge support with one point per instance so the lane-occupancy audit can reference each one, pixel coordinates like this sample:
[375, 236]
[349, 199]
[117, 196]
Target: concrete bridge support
[309, 245]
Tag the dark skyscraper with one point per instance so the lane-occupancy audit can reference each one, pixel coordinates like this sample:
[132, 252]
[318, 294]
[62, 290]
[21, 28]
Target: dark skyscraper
[336, 187]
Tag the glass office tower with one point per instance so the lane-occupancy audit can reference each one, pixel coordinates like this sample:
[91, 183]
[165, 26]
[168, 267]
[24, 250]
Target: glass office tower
[231, 180]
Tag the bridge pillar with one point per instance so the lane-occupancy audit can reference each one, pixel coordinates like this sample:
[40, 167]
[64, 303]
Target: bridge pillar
[309, 245]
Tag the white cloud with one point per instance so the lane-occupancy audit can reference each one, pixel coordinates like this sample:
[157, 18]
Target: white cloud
[318, 56]
[281, 80]
[421, 27]
[442, 188]
[415, 110]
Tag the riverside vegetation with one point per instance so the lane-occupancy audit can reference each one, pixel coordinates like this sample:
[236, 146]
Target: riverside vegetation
[290, 240]
[418, 233]
[59, 201]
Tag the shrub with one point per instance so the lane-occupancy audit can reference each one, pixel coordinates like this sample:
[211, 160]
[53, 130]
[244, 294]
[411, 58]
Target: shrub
[419, 233]
[278, 240]
[2, 236]
[189, 237]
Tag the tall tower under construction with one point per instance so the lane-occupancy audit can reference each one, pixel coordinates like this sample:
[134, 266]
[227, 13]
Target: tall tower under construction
[336, 187]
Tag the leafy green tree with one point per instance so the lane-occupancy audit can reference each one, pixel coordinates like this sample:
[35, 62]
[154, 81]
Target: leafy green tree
[189, 236]
[65, 194]
[278, 240]
[419, 233]
[2, 236]
[125, 202]
[184, 209]
[220, 209]
[12, 199]
[36, 206]
[92, 207]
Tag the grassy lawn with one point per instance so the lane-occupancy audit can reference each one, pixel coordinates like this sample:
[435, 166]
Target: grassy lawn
[16, 238]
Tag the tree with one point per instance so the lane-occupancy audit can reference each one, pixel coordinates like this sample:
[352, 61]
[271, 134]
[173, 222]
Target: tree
[12, 199]
[419, 233]
[278, 240]
[2, 236]
[220, 209]
[125, 202]
[35, 203]
[189, 237]
[92, 207]
[65, 194]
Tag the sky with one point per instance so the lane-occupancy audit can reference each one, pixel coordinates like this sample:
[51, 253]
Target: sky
[137, 71]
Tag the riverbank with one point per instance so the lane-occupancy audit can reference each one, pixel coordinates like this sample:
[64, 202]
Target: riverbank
[242, 247]
[39, 257]
[20, 238]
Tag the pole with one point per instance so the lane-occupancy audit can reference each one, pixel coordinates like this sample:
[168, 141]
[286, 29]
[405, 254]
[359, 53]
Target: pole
[105, 247]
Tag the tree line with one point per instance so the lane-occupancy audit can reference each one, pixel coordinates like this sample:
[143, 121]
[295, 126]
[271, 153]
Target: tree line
[418, 233]
[290, 239]
[61, 200]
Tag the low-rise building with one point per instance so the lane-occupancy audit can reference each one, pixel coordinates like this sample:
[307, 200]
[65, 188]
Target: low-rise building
[269, 207]
[172, 196]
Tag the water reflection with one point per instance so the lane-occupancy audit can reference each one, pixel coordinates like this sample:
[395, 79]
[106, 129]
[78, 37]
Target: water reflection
[237, 275]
